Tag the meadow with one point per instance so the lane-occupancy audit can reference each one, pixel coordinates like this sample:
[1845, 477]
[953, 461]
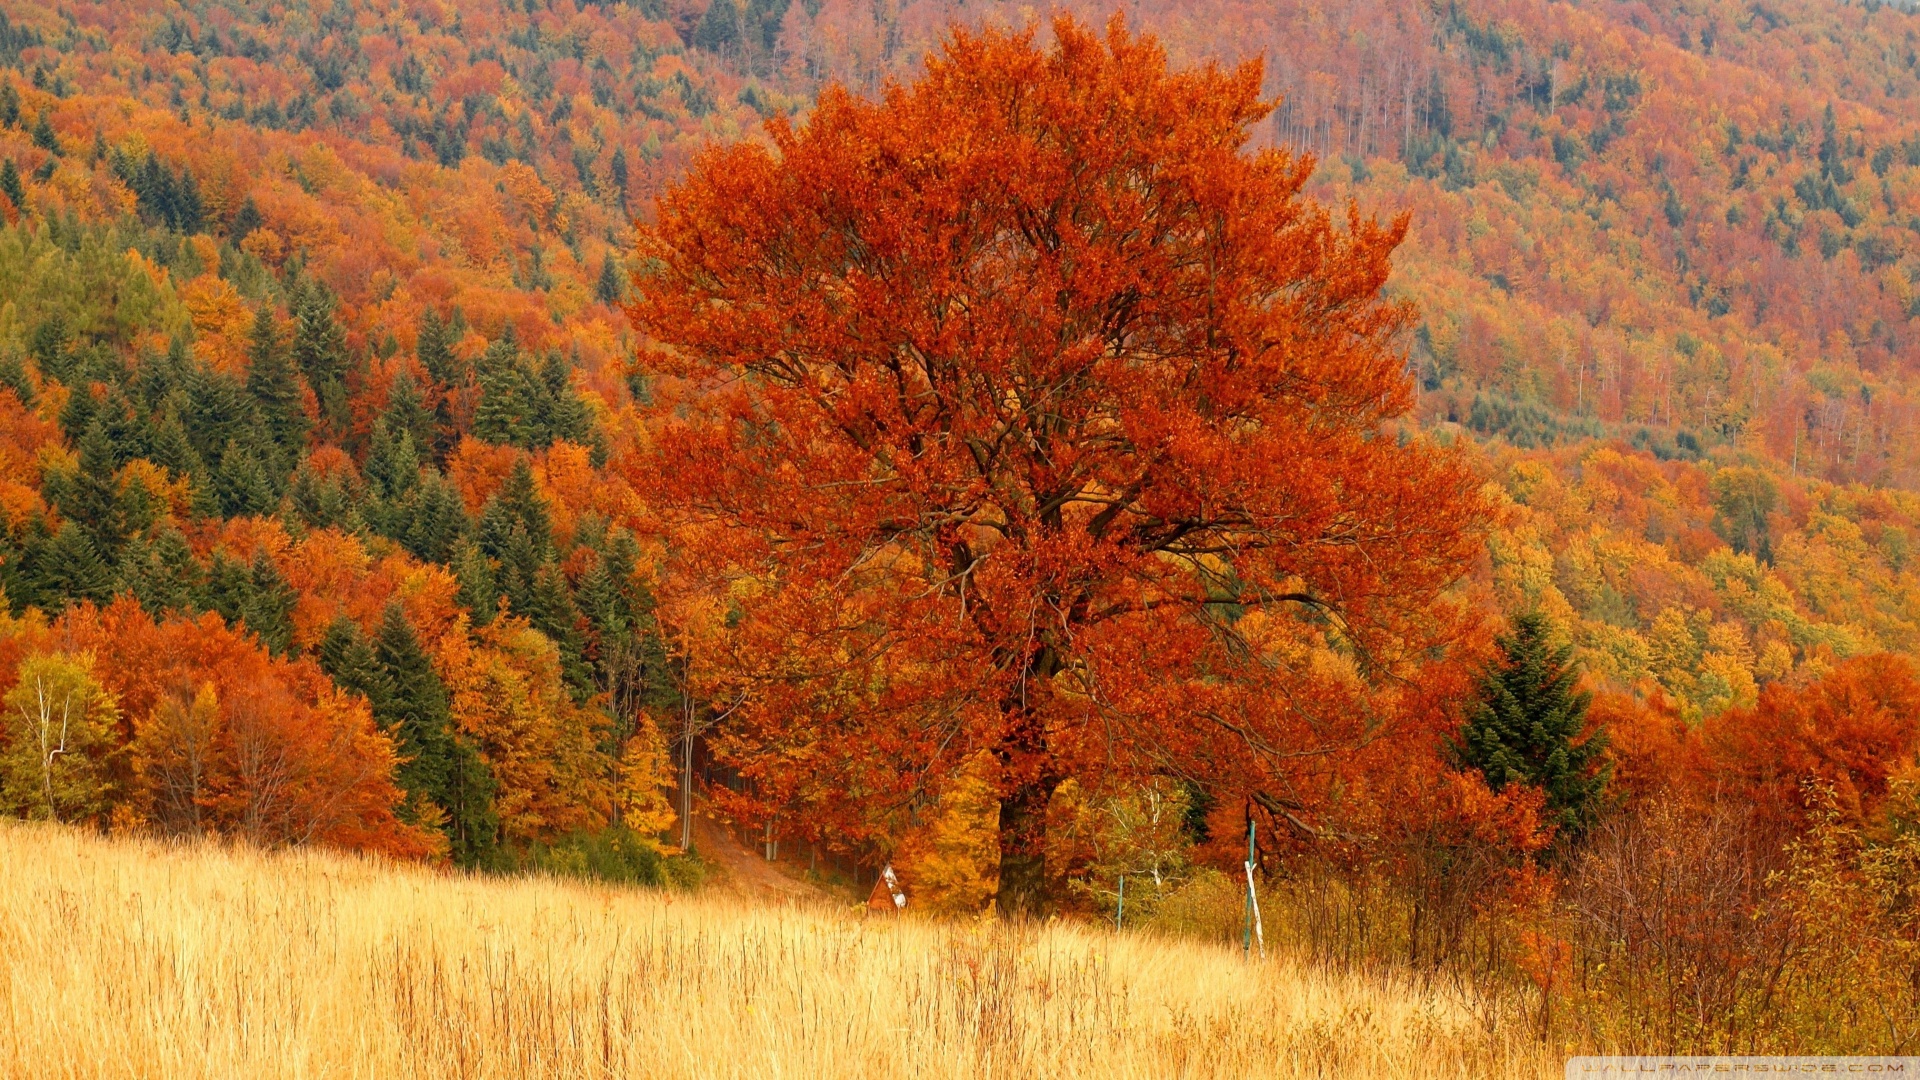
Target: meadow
[138, 958]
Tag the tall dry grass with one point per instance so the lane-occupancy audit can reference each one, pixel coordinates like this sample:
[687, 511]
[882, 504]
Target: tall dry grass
[130, 958]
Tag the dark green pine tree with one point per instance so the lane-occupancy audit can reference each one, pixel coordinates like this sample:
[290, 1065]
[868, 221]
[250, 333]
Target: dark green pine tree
[172, 449]
[92, 497]
[434, 349]
[245, 220]
[437, 519]
[347, 657]
[278, 394]
[190, 213]
[219, 413]
[719, 30]
[392, 468]
[617, 169]
[609, 290]
[549, 607]
[227, 588]
[320, 352]
[407, 412]
[44, 136]
[441, 766]
[10, 184]
[509, 413]
[323, 502]
[478, 593]
[67, 568]
[241, 486]
[563, 413]
[268, 606]
[163, 575]
[1530, 727]
[516, 504]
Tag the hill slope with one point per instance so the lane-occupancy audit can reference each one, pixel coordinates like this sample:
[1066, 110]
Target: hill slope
[136, 959]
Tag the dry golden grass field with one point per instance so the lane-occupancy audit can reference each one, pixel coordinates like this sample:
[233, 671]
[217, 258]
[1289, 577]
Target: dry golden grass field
[127, 958]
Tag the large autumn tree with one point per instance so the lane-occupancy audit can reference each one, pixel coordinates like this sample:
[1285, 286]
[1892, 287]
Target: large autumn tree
[1032, 417]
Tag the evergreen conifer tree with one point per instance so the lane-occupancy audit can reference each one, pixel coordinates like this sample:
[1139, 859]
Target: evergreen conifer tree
[68, 568]
[437, 519]
[442, 767]
[10, 184]
[609, 290]
[268, 606]
[277, 393]
[508, 413]
[320, 352]
[241, 486]
[245, 220]
[434, 349]
[478, 593]
[322, 502]
[1529, 727]
[44, 136]
[347, 657]
[407, 413]
[163, 575]
[92, 497]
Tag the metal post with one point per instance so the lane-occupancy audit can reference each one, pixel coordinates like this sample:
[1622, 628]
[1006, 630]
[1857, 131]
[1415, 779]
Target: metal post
[1246, 942]
[1120, 912]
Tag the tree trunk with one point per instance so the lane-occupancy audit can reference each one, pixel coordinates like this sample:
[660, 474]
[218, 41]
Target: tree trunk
[1023, 849]
[1028, 775]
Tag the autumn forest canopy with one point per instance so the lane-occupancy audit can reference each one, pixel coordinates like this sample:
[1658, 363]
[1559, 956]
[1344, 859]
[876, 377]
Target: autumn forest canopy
[1468, 445]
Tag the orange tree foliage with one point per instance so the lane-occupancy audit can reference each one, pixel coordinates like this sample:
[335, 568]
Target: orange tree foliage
[219, 737]
[1040, 418]
[1850, 732]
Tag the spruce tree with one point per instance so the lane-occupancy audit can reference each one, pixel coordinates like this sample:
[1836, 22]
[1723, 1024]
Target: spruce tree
[441, 766]
[10, 185]
[407, 412]
[508, 413]
[44, 136]
[320, 352]
[478, 593]
[219, 413]
[245, 220]
[608, 291]
[436, 521]
[347, 657]
[322, 502]
[277, 392]
[517, 503]
[565, 416]
[241, 486]
[163, 575]
[68, 568]
[92, 497]
[434, 349]
[1529, 727]
[268, 607]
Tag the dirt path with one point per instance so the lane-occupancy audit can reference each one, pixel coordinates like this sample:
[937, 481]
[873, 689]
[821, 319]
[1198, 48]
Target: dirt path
[743, 870]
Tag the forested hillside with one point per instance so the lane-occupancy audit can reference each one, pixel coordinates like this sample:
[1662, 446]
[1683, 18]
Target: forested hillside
[319, 408]
[344, 500]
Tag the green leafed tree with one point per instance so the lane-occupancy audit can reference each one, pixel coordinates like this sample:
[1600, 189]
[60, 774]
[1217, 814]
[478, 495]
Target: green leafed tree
[59, 727]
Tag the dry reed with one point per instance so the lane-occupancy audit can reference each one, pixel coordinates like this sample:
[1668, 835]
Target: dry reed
[131, 958]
